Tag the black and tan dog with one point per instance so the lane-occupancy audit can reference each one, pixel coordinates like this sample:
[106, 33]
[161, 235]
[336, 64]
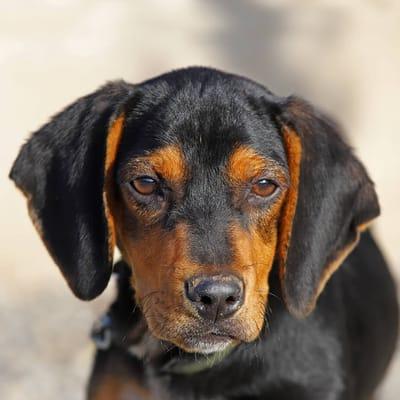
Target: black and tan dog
[232, 208]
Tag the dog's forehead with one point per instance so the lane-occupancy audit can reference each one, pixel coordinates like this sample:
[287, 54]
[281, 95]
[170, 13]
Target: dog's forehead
[205, 116]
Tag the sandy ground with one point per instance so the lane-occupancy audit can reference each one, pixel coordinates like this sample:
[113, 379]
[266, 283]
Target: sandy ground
[343, 56]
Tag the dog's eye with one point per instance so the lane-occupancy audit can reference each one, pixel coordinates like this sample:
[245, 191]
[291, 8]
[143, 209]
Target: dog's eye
[264, 188]
[144, 185]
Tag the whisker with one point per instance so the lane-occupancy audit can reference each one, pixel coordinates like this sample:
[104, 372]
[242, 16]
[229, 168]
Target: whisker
[274, 295]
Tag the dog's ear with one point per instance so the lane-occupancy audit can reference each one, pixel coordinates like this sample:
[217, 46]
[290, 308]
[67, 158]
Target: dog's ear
[329, 202]
[63, 171]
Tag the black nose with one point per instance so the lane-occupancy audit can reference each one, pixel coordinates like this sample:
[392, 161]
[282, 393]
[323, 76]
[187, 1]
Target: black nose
[215, 297]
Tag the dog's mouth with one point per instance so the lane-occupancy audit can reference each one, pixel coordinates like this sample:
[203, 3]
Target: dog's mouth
[199, 337]
[208, 343]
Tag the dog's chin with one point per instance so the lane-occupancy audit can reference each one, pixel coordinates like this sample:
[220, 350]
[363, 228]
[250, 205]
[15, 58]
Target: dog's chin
[206, 344]
[193, 341]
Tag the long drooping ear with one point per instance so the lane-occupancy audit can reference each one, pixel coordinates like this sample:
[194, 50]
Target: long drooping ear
[63, 171]
[328, 204]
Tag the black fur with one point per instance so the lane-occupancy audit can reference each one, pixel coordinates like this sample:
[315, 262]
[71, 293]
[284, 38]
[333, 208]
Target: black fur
[61, 171]
[341, 350]
[335, 197]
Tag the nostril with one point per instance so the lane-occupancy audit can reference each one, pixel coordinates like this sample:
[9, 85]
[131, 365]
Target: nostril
[207, 300]
[231, 300]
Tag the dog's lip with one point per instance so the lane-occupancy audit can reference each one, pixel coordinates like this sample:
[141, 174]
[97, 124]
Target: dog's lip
[208, 343]
[221, 334]
[218, 332]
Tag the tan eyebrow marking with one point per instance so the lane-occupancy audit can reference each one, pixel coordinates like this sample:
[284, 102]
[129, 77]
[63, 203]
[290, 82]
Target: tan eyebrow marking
[245, 164]
[169, 162]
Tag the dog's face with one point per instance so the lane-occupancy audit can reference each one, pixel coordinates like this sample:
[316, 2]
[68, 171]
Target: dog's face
[197, 204]
[205, 181]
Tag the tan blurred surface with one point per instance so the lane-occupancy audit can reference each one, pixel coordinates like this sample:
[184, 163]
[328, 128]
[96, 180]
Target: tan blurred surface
[343, 57]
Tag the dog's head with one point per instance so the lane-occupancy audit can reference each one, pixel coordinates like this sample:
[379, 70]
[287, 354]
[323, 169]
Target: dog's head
[204, 180]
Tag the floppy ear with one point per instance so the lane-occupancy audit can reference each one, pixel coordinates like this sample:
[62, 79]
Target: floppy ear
[329, 202]
[63, 170]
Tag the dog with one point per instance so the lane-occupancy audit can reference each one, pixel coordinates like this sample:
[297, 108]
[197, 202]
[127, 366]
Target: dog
[248, 270]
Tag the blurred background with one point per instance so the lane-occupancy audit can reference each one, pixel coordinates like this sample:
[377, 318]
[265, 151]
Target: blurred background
[342, 55]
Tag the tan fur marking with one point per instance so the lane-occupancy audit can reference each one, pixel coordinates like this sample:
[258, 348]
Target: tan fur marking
[246, 164]
[254, 253]
[113, 140]
[331, 268]
[169, 162]
[293, 152]
[114, 388]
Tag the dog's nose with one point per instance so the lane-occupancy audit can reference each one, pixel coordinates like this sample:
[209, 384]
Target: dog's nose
[215, 297]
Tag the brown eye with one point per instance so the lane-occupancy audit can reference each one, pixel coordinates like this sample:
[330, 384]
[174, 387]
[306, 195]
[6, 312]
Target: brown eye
[264, 188]
[144, 185]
